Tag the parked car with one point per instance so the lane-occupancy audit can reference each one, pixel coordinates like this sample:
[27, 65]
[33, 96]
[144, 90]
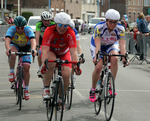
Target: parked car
[93, 22]
[80, 21]
[32, 21]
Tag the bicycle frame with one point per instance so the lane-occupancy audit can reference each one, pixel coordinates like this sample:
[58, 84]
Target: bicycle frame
[106, 92]
[19, 84]
[58, 82]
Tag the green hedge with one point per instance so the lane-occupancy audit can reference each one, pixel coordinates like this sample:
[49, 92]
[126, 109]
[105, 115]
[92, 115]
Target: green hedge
[27, 14]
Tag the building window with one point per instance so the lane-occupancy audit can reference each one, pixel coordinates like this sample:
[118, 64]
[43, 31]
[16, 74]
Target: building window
[77, 1]
[134, 2]
[83, 1]
[146, 2]
[129, 2]
[71, 1]
[88, 1]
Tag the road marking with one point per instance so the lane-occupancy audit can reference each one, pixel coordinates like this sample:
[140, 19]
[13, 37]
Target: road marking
[84, 98]
[79, 95]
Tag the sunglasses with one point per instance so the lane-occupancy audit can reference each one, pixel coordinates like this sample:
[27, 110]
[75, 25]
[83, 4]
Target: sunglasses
[20, 28]
[62, 25]
[112, 22]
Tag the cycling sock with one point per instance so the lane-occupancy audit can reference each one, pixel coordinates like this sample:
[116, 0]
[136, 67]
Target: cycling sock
[46, 87]
[40, 67]
[26, 87]
[12, 70]
[93, 89]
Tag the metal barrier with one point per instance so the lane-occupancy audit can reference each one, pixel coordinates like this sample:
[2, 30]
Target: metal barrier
[143, 47]
[3, 30]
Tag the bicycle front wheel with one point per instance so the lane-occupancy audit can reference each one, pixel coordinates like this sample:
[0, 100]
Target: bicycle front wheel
[109, 97]
[49, 108]
[59, 106]
[69, 94]
[20, 88]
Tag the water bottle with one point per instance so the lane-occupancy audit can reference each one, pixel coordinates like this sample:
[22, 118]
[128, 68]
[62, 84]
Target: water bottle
[98, 85]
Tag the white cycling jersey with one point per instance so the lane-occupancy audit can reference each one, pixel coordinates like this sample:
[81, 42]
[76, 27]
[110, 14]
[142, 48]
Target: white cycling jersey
[109, 40]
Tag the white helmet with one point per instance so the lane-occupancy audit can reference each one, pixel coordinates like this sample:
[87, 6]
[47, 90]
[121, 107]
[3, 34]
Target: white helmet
[62, 18]
[112, 14]
[46, 15]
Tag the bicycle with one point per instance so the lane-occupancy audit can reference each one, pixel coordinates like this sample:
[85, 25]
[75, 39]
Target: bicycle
[57, 83]
[106, 90]
[69, 92]
[19, 84]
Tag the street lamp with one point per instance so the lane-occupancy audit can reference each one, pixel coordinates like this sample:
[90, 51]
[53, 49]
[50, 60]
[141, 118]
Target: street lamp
[98, 8]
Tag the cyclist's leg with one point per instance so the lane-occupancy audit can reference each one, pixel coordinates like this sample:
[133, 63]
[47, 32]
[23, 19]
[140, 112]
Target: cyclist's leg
[48, 76]
[26, 74]
[66, 70]
[114, 49]
[12, 61]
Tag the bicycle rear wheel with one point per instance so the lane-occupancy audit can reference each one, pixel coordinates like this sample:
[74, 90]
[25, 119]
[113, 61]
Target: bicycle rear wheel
[59, 106]
[69, 94]
[98, 102]
[109, 97]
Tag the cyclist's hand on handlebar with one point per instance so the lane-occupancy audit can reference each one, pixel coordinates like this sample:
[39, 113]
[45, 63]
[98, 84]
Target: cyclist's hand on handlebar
[44, 70]
[125, 62]
[77, 70]
[33, 52]
[8, 52]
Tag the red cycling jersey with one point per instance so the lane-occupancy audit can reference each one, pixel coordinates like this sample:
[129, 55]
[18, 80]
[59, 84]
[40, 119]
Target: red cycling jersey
[59, 44]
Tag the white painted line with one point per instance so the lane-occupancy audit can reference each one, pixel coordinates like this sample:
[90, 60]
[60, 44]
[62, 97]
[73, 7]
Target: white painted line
[79, 94]
[84, 98]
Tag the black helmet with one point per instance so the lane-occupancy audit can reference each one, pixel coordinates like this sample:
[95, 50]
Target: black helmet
[20, 21]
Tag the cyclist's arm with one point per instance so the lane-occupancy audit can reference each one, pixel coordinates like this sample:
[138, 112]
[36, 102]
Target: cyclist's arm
[7, 44]
[37, 36]
[45, 51]
[79, 50]
[122, 43]
[97, 40]
[33, 43]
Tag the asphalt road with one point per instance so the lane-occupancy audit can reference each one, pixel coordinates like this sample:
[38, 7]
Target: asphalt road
[132, 87]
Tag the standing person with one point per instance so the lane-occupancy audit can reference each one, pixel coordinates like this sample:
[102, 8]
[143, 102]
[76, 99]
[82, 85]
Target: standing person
[108, 36]
[148, 21]
[77, 24]
[59, 41]
[20, 38]
[46, 20]
[142, 28]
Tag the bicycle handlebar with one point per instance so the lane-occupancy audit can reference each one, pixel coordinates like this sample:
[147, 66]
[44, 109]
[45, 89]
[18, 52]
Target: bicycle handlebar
[60, 62]
[21, 53]
[109, 55]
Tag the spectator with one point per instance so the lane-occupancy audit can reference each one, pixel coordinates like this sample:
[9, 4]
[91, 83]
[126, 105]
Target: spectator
[83, 27]
[142, 24]
[77, 25]
[142, 28]
[148, 21]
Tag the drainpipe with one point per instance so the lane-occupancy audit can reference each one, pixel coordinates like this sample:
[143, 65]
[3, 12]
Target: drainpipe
[49, 5]
[98, 8]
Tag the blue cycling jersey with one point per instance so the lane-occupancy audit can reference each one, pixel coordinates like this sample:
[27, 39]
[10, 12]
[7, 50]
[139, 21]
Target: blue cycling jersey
[20, 39]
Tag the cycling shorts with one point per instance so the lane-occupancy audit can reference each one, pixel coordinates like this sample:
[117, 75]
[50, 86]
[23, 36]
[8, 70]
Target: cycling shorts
[104, 48]
[66, 56]
[27, 48]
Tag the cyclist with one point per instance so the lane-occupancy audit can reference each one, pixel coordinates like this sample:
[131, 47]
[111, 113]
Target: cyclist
[46, 20]
[59, 41]
[20, 38]
[108, 36]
